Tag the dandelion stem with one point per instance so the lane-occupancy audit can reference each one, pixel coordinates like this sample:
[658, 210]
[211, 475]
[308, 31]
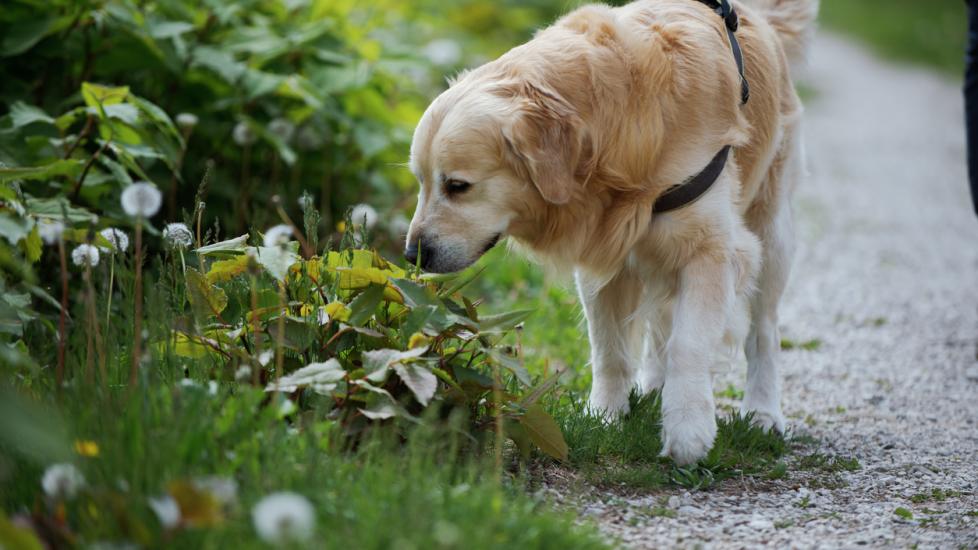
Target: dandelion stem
[255, 327]
[497, 398]
[108, 302]
[280, 336]
[60, 371]
[89, 329]
[137, 337]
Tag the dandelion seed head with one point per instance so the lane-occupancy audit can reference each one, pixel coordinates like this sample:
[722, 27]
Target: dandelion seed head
[85, 255]
[167, 510]
[177, 235]
[306, 201]
[243, 135]
[187, 120]
[141, 200]
[283, 128]
[243, 374]
[50, 231]
[365, 215]
[278, 235]
[118, 240]
[308, 139]
[284, 517]
[62, 481]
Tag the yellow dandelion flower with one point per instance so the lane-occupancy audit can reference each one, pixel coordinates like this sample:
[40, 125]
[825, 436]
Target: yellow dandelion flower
[87, 448]
[341, 226]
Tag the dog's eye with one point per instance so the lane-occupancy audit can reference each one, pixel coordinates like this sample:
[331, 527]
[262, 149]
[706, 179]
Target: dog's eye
[456, 187]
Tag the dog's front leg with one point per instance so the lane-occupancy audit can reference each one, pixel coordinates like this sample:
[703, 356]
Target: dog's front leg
[704, 297]
[615, 332]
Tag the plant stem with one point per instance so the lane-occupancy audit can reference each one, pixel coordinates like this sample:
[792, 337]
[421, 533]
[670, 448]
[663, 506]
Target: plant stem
[137, 337]
[60, 371]
[280, 337]
[108, 302]
[89, 315]
[497, 399]
[256, 372]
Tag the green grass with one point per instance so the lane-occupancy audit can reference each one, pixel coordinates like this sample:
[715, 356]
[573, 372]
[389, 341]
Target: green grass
[426, 492]
[926, 32]
[627, 450]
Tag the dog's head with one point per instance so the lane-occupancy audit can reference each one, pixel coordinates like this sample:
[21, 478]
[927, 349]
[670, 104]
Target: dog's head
[489, 156]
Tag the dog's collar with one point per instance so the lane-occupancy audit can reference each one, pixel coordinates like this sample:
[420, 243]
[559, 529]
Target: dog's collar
[695, 187]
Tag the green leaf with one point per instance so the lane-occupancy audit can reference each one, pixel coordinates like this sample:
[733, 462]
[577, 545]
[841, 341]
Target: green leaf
[23, 114]
[55, 209]
[362, 308]
[903, 513]
[97, 96]
[420, 380]
[25, 34]
[544, 432]
[503, 322]
[378, 362]
[14, 228]
[322, 378]
[511, 364]
[206, 299]
[237, 244]
[62, 167]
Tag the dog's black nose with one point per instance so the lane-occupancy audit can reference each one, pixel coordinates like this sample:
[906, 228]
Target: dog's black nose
[411, 253]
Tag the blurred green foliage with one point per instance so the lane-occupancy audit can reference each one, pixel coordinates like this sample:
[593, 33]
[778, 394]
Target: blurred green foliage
[931, 32]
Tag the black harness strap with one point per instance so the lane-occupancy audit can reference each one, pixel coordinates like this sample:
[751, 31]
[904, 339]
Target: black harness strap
[695, 187]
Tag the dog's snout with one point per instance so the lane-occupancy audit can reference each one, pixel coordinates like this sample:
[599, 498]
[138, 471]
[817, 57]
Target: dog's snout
[419, 249]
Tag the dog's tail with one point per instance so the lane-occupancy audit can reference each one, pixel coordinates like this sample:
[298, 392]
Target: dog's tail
[793, 20]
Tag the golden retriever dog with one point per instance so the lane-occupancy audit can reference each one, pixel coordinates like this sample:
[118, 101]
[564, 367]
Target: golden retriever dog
[563, 146]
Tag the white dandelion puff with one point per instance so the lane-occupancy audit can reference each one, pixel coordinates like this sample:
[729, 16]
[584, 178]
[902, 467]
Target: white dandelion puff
[141, 200]
[365, 215]
[62, 480]
[243, 135]
[278, 235]
[50, 231]
[85, 255]
[187, 120]
[308, 139]
[167, 510]
[223, 489]
[283, 517]
[282, 128]
[306, 201]
[243, 374]
[177, 235]
[118, 240]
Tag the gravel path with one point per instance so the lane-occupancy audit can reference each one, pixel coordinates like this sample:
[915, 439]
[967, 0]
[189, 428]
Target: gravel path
[886, 277]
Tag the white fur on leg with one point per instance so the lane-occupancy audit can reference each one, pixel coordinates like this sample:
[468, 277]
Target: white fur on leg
[609, 397]
[762, 397]
[688, 421]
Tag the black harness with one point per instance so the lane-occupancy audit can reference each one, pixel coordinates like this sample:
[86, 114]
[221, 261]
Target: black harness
[695, 187]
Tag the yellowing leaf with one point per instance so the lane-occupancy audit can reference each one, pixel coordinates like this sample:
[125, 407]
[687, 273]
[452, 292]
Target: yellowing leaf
[191, 348]
[338, 311]
[544, 432]
[198, 508]
[206, 299]
[96, 95]
[224, 270]
[418, 340]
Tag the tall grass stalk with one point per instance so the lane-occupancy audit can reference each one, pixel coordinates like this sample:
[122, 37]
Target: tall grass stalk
[62, 319]
[137, 337]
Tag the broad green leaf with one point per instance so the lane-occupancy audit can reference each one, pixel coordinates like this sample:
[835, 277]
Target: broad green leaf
[503, 322]
[55, 209]
[23, 114]
[97, 96]
[206, 299]
[420, 380]
[511, 364]
[322, 378]
[544, 432]
[25, 34]
[14, 228]
[237, 244]
[63, 167]
[377, 363]
[362, 308]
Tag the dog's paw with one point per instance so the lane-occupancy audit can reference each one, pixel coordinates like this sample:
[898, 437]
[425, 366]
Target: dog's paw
[688, 434]
[609, 405]
[766, 418]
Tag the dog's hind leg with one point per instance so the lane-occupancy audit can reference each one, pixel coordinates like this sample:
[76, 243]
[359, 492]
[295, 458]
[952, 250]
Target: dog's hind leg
[775, 228]
[615, 331]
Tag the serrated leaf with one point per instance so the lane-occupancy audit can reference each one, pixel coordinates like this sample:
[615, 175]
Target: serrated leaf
[544, 432]
[322, 378]
[420, 380]
[206, 299]
[377, 363]
[63, 167]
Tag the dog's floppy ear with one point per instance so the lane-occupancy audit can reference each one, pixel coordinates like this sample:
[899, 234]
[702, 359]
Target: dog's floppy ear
[545, 137]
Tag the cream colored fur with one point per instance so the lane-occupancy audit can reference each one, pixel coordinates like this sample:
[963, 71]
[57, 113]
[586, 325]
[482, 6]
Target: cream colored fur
[565, 143]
